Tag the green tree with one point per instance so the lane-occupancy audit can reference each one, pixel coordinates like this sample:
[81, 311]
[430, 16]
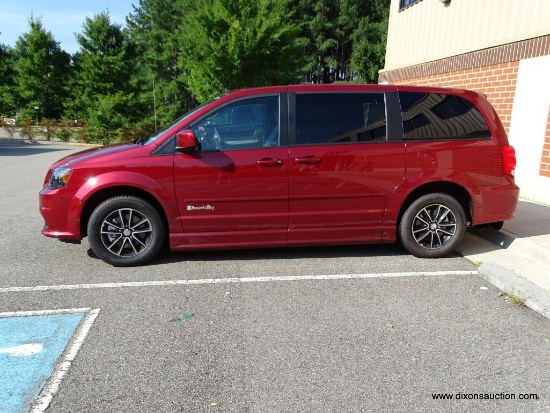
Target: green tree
[42, 71]
[231, 44]
[336, 29]
[319, 24]
[153, 27]
[107, 121]
[7, 102]
[103, 93]
[370, 40]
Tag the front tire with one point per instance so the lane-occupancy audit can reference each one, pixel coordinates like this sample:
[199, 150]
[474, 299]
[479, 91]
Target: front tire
[432, 226]
[126, 231]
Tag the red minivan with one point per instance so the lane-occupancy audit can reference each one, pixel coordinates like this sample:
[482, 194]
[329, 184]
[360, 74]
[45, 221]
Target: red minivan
[293, 165]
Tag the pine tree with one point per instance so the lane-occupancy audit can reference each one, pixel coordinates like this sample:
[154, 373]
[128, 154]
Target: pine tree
[103, 93]
[153, 27]
[7, 74]
[42, 71]
[346, 38]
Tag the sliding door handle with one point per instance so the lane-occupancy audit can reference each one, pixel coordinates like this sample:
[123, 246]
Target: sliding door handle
[270, 162]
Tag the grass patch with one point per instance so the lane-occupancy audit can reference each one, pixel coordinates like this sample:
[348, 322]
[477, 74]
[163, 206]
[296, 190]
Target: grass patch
[516, 300]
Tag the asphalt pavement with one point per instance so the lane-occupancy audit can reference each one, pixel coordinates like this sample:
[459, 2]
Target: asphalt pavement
[328, 329]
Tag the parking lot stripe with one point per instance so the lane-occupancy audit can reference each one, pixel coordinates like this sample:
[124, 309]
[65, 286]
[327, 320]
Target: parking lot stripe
[52, 385]
[233, 280]
[44, 312]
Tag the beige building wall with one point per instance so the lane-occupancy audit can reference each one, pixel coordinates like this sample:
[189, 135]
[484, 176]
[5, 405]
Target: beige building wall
[430, 30]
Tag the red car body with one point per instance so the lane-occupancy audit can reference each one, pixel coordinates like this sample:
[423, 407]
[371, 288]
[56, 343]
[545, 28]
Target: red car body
[290, 194]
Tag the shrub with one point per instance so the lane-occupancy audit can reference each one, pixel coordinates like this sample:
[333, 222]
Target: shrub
[63, 131]
[26, 126]
[49, 127]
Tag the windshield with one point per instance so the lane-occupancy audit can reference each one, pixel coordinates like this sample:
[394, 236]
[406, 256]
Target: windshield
[149, 140]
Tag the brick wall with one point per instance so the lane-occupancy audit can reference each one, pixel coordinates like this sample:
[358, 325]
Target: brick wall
[545, 160]
[497, 82]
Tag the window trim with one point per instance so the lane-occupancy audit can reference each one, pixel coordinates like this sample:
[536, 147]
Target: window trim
[403, 6]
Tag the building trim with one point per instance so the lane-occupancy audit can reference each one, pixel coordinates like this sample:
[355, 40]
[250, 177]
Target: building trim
[511, 52]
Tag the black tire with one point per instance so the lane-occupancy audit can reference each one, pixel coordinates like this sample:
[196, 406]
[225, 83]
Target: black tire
[496, 226]
[432, 226]
[126, 231]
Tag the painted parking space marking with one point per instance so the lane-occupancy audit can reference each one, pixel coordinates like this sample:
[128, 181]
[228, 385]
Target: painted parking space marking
[36, 350]
[234, 280]
[22, 350]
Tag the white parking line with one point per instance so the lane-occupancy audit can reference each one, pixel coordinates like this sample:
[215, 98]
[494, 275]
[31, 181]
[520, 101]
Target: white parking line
[54, 340]
[232, 280]
[52, 385]
[44, 312]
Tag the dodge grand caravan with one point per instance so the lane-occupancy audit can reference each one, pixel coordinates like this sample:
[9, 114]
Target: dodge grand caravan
[293, 165]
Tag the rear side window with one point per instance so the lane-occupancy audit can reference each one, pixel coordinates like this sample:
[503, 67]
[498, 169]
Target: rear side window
[435, 116]
[324, 118]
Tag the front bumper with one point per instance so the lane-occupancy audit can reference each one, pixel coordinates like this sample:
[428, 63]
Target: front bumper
[61, 215]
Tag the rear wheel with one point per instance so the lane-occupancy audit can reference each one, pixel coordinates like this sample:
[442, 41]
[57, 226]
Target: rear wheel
[432, 226]
[126, 231]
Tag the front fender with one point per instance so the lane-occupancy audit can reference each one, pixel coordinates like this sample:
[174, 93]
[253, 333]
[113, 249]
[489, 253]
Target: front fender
[122, 178]
[129, 179]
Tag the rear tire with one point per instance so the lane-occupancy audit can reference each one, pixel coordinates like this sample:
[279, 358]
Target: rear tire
[126, 231]
[496, 226]
[432, 226]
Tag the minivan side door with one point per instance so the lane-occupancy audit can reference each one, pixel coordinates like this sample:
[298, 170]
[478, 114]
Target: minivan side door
[343, 167]
[233, 190]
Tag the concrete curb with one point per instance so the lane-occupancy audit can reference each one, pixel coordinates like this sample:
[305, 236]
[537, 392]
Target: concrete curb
[533, 296]
[517, 245]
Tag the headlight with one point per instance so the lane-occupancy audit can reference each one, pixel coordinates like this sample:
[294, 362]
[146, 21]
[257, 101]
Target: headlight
[60, 177]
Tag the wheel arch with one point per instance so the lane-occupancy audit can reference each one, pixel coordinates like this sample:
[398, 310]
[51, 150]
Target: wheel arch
[450, 188]
[116, 191]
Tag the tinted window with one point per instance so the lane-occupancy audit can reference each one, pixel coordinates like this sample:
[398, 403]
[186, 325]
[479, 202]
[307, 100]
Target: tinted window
[440, 116]
[340, 118]
[452, 106]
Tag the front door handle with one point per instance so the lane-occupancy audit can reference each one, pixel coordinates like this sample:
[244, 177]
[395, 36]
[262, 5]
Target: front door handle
[310, 160]
[270, 162]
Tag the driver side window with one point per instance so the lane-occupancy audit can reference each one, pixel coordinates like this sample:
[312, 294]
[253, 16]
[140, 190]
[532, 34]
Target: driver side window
[246, 124]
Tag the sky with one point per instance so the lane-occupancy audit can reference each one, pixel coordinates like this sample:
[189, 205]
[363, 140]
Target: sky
[63, 18]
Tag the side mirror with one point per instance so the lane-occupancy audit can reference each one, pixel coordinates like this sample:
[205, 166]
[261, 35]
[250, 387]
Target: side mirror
[186, 141]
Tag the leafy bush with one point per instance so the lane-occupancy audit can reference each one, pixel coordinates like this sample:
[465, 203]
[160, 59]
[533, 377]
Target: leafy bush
[63, 131]
[26, 128]
[49, 127]
[83, 134]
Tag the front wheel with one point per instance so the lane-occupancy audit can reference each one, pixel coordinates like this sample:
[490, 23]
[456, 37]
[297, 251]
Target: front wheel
[126, 231]
[432, 226]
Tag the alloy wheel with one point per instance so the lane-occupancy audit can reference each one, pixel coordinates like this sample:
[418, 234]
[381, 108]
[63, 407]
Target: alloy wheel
[434, 226]
[126, 232]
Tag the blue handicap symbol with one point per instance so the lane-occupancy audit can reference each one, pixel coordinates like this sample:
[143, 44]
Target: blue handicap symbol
[29, 349]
